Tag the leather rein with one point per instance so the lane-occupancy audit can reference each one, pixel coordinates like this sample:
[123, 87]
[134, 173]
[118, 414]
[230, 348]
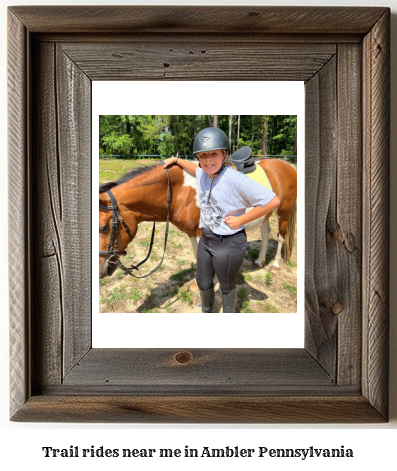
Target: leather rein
[113, 241]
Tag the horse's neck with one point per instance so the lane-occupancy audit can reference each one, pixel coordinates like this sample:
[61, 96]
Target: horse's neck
[146, 194]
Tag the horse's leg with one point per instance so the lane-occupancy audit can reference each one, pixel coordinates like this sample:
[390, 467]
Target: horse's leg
[265, 232]
[276, 263]
[194, 287]
[194, 241]
[282, 227]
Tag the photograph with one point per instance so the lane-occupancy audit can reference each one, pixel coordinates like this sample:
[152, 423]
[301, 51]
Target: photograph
[230, 243]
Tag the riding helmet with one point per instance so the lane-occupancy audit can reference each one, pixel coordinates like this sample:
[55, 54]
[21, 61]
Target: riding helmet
[210, 139]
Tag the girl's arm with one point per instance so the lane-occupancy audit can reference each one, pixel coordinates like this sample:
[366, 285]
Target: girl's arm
[185, 164]
[234, 222]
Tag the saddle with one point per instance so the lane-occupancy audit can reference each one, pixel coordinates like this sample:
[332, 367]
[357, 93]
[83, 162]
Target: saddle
[245, 163]
[243, 160]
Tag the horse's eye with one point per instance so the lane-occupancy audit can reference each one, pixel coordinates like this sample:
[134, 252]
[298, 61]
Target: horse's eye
[102, 228]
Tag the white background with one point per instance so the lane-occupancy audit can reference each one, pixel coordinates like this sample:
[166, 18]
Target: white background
[374, 445]
[116, 330]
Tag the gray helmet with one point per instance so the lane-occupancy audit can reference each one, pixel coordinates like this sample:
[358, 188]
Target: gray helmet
[210, 139]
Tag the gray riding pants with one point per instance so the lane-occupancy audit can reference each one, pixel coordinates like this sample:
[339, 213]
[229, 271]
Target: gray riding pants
[222, 255]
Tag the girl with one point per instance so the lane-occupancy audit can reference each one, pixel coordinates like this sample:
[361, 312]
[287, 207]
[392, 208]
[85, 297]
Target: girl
[224, 195]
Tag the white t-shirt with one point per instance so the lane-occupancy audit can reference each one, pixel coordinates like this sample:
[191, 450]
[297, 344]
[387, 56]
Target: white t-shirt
[231, 194]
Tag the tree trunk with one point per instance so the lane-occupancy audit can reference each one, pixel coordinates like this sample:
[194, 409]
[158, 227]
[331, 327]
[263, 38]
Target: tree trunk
[230, 131]
[209, 120]
[264, 135]
[238, 130]
[296, 140]
[216, 121]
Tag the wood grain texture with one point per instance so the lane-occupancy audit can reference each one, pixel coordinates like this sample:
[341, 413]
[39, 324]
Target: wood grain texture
[321, 279]
[62, 290]
[376, 92]
[199, 409]
[341, 376]
[18, 247]
[229, 370]
[198, 19]
[47, 260]
[189, 60]
[346, 225]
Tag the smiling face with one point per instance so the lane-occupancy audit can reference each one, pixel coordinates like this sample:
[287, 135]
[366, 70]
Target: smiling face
[212, 160]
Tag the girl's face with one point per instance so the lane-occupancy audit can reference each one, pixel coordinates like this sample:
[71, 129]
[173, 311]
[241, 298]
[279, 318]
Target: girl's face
[211, 161]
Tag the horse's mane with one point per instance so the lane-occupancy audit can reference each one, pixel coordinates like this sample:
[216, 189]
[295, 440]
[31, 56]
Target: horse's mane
[127, 177]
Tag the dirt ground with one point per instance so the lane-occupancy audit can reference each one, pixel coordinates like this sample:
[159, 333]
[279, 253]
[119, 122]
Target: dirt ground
[169, 290]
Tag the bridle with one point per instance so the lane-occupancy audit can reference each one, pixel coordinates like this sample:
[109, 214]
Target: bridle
[114, 234]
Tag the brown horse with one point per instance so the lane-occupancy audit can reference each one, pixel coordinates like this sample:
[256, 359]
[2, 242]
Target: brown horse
[141, 195]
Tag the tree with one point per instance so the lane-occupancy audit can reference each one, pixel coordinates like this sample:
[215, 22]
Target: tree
[264, 136]
[230, 131]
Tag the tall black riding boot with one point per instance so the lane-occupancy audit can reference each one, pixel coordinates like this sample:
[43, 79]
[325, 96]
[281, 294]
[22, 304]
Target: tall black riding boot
[207, 300]
[230, 301]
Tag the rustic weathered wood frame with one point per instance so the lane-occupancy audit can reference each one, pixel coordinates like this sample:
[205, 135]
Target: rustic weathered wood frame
[343, 56]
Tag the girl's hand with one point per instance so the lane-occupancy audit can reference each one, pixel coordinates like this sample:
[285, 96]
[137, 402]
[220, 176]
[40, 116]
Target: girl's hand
[170, 161]
[233, 222]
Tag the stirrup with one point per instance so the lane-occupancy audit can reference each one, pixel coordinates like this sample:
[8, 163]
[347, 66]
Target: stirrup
[230, 301]
[207, 300]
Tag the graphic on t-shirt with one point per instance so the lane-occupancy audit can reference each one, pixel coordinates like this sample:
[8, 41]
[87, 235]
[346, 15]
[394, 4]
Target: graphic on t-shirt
[210, 214]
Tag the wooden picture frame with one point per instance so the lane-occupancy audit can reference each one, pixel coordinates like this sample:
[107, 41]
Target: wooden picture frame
[342, 54]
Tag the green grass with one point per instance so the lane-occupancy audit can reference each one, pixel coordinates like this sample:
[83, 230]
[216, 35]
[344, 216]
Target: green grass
[111, 170]
[240, 278]
[119, 293]
[245, 307]
[116, 295]
[186, 297]
[268, 279]
[269, 307]
[253, 253]
[291, 289]
[145, 243]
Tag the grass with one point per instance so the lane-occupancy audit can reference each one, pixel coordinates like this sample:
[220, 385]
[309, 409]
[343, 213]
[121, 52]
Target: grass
[291, 289]
[268, 279]
[291, 264]
[240, 278]
[186, 297]
[119, 293]
[269, 307]
[110, 170]
[245, 307]
[116, 295]
[144, 243]
[253, 253]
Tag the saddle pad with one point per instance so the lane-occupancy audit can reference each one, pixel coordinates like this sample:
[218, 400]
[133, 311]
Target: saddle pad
[259, 175]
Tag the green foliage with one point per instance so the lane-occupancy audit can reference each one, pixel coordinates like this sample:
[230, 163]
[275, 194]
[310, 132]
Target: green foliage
[166, 135]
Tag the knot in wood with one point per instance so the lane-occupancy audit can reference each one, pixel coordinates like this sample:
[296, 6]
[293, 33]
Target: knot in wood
[183, 358]
[337, 308]
[338, 235]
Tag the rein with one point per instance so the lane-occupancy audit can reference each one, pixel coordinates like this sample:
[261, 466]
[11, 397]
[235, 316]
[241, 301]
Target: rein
[113, 241]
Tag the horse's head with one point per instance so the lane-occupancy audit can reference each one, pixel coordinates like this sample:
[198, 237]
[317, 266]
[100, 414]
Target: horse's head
[122, 235]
